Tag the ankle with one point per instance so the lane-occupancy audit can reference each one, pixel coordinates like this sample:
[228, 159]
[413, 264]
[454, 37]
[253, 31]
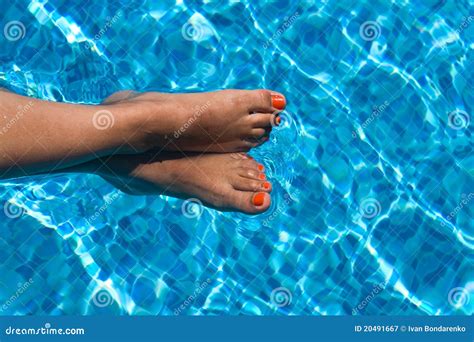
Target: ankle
[136, 128]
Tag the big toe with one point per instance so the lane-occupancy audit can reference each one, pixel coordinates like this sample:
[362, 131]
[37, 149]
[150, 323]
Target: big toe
[265, 101]
[249, 202]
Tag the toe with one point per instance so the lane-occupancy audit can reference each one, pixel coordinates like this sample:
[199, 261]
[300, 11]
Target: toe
[259, 120]
[278, 100]
[257, 133]
[248, 163]
[259, 202]
[247, 184]
[260, 101]
[266, 101]
[251, 173]
[249, 202]
[267, 186]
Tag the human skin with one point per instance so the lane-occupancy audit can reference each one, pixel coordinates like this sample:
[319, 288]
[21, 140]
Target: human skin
[39, 136]
[223, 181]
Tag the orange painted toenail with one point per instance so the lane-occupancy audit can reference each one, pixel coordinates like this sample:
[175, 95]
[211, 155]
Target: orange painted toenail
[249, 157]
[258, 199]
[278, 101]
[262, 176]
[260, 167]
[266, 185]
[278, 120]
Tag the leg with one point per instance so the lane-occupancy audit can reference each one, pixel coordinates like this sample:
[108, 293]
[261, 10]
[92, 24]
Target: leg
[36, 136]
[41, 136]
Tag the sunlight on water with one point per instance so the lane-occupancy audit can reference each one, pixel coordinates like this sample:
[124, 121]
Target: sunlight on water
[372, 167]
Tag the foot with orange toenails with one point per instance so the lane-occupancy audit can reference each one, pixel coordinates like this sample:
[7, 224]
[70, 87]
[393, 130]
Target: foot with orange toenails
[224, 121]
[224, 181]
[221, 121]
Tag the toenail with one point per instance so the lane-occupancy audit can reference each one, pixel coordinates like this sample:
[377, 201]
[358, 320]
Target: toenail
[264, 139]
[278, 120]
[266, 185]
[260, 167]
[278, 101]
[262, 176]
[258, 199]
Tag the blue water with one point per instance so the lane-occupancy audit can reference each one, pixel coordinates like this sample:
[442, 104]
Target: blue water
[372, 168]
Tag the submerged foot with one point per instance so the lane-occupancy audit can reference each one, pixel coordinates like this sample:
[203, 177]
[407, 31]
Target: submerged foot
[229, 182]
[221, 121]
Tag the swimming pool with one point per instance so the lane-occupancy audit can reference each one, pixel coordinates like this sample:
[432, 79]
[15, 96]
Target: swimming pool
[372, 168]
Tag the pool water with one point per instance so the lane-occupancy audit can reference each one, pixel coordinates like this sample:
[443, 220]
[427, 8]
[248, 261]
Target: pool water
[372, 168]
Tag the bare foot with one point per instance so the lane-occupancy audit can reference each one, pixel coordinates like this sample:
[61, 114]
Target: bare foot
[221, 121]
[228, 182]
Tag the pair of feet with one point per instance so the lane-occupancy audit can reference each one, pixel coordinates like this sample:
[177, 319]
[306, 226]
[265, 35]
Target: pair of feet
[200, 149]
